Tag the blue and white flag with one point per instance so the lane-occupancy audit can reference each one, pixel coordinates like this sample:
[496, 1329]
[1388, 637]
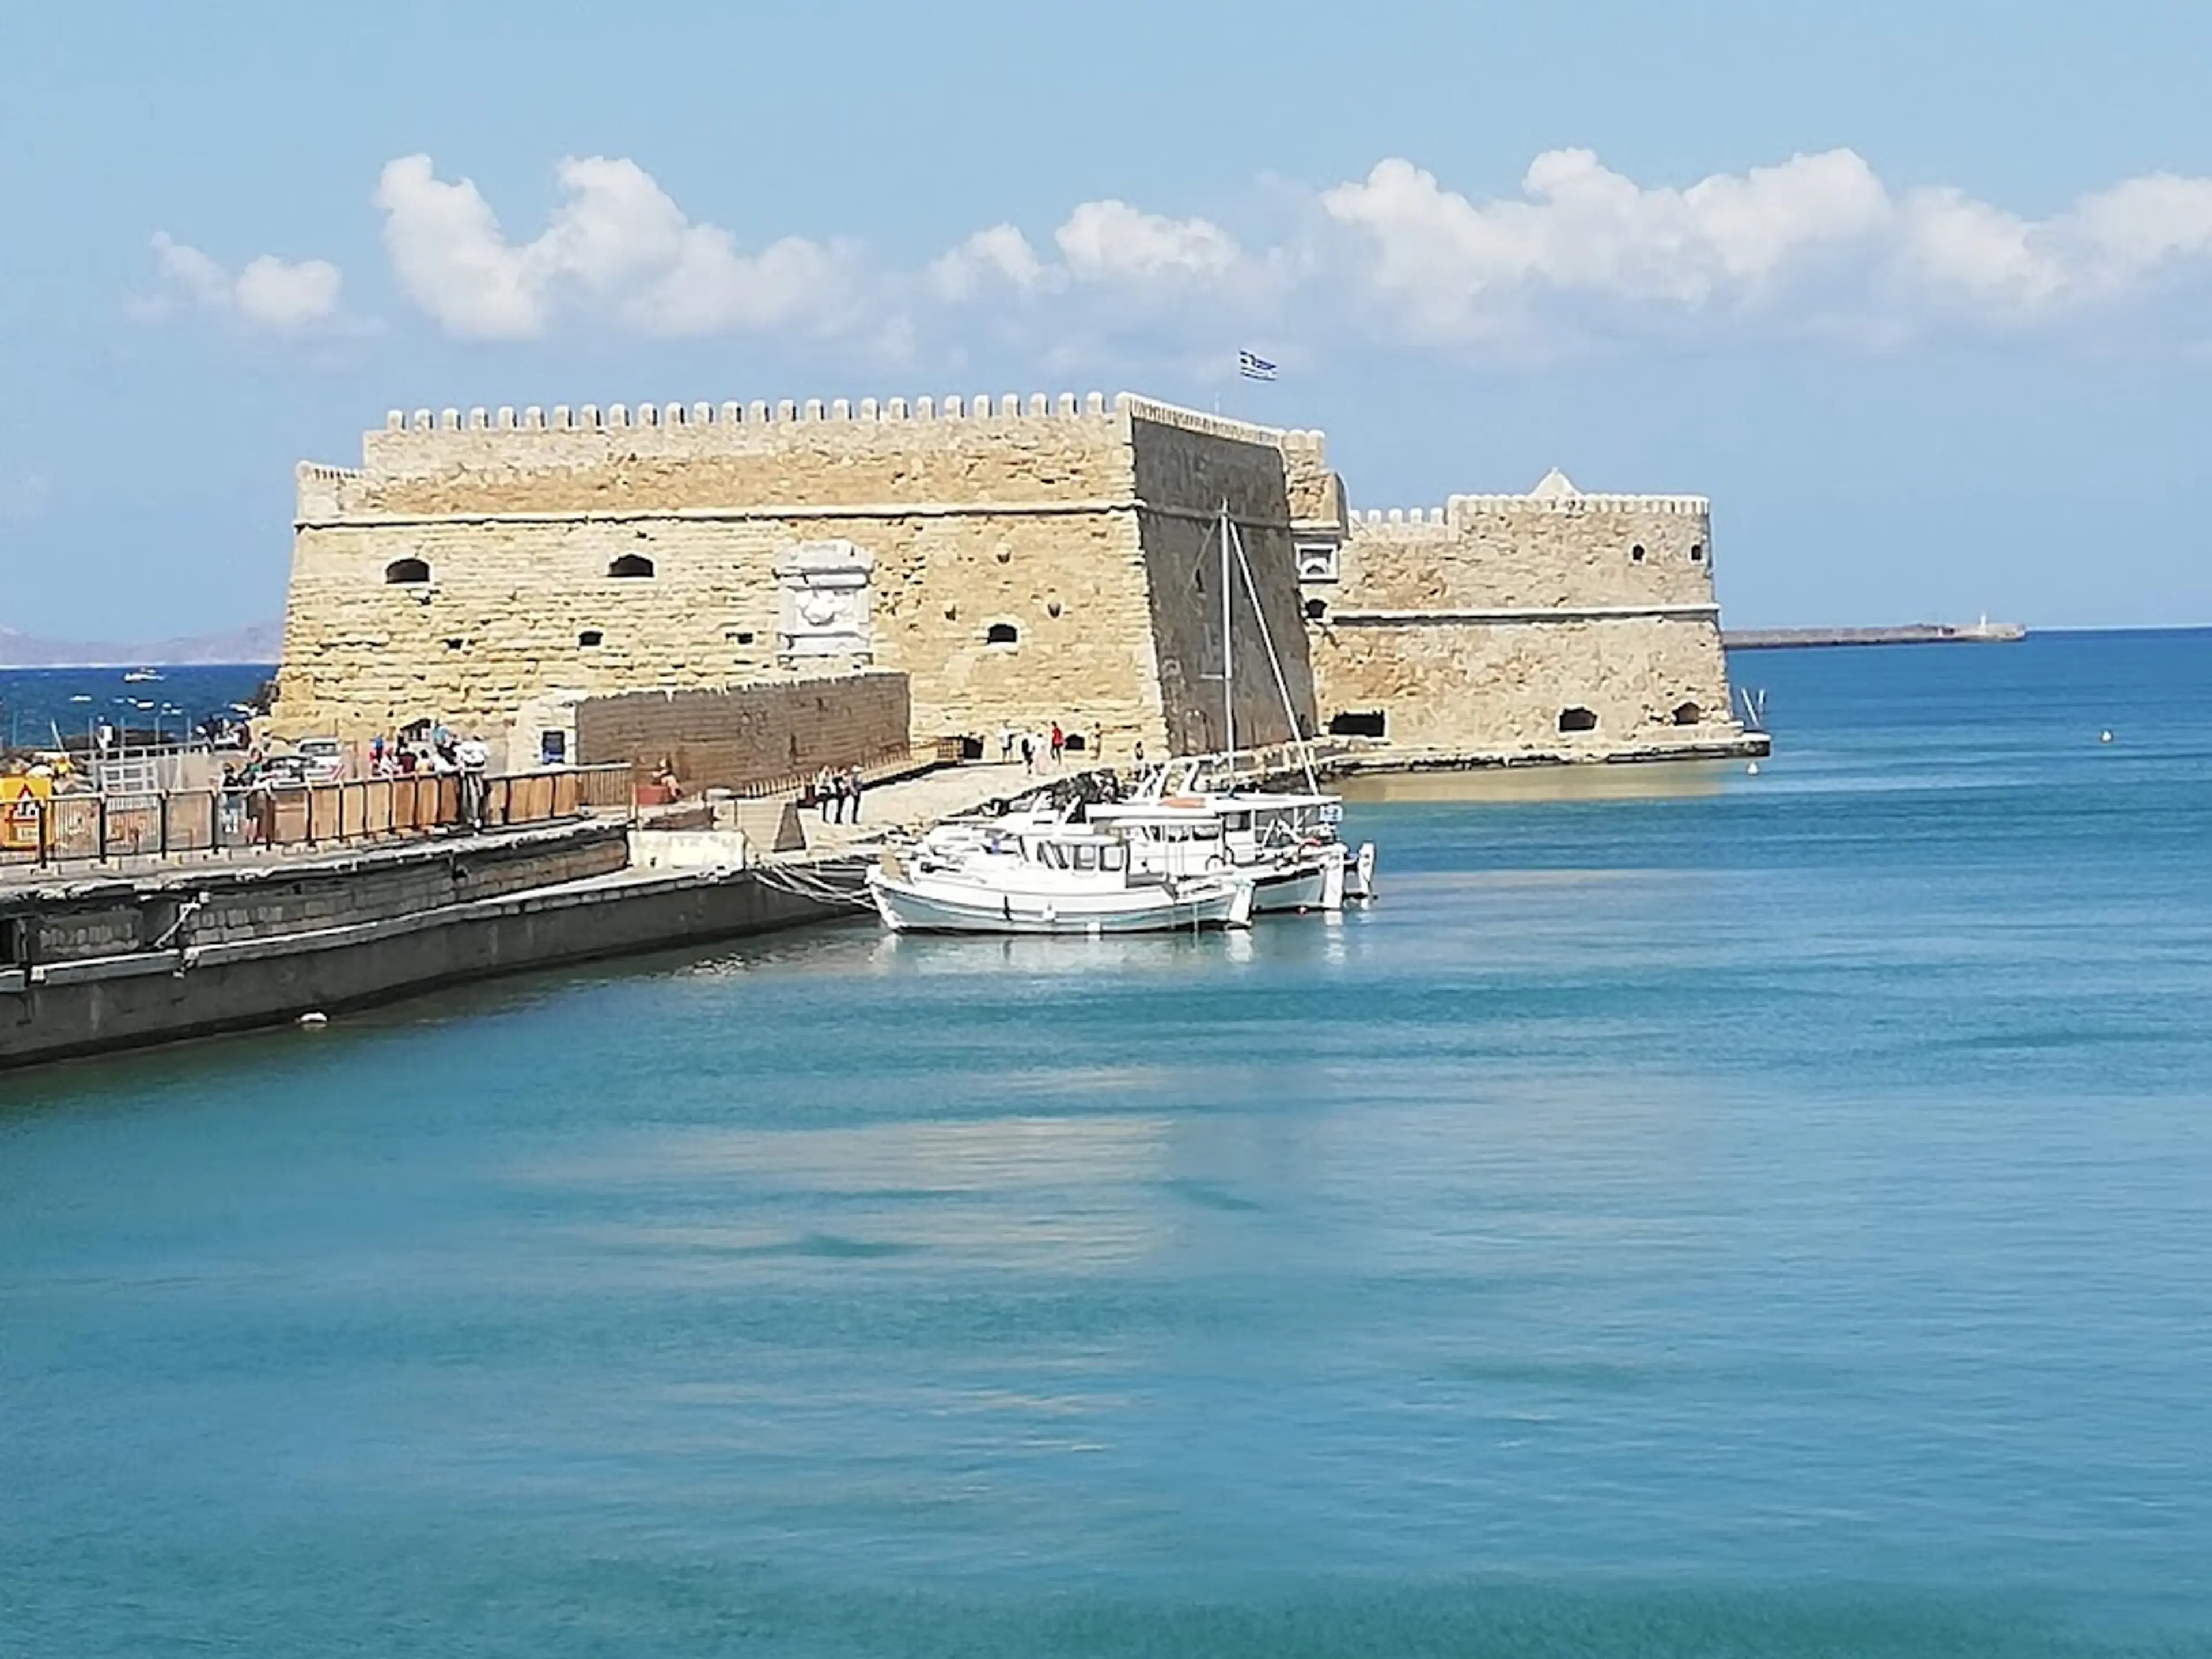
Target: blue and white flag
[1254, 367]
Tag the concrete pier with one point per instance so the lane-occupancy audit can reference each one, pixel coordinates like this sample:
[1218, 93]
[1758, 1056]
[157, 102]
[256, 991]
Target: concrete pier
[91, 962]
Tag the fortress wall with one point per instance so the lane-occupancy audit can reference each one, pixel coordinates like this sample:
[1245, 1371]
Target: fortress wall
[617, 459]
[749, 734]
[1493, 552]
[1500, 687]
[1026, 518]
[1072, 588]
[1316, 494]
[504, 614]
[1473, 626]
[1081, 525]
[1183, 477]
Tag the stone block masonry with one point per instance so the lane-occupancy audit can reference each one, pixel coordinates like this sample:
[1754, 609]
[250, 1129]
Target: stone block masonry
[1006, 557]
[1555, 622]
[1021, 562]
[751, 734]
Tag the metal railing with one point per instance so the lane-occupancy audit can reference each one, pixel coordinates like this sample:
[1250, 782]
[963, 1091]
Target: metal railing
[77, 828]
[885, 764]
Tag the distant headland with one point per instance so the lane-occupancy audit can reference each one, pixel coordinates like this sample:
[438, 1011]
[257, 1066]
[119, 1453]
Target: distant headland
[257, 642]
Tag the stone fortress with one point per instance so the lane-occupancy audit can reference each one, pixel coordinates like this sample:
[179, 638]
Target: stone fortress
[1020, 561]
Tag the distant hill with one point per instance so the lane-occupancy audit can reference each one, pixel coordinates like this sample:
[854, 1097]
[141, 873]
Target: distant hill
[256, 643]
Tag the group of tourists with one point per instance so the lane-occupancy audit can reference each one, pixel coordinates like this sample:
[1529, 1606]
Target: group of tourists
[436, 752]
[834, 791]
[1035, 747]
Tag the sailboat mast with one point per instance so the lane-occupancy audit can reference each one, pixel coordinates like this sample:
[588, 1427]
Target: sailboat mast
[1228, 649]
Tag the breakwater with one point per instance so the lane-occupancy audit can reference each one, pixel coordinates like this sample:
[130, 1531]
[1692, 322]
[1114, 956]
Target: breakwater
[90, 962]
[1984, 632]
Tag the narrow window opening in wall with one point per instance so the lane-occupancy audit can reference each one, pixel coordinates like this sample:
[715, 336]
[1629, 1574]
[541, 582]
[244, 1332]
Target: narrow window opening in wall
[1577, 719]
[590, 636]
[553, 748]
[1688, 714]
[1197, 576]
[1697, 552]
[453, 645]
[744, 636]
[999, 634]
[631, 564]
[1636, 554]
[1371, 723]
[1316, 561]
[406, 571]
[1316, 609]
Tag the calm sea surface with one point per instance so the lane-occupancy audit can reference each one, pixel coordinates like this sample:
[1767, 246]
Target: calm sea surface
[39, 704]
[1694, 1214]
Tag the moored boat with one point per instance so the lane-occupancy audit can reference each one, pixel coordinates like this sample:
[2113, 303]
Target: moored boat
[1037, 878]
[1288, 842]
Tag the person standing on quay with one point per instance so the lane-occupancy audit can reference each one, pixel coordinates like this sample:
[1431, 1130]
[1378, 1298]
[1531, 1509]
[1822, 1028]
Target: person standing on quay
[1059, 744]
[475, 760]
[1005, 745]
[853, 785]
[1029, 754]
[822, 794]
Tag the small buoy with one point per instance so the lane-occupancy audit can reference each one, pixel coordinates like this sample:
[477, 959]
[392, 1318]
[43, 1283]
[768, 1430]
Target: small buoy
[314, 1022]
[1752, 768]
[2104, 736]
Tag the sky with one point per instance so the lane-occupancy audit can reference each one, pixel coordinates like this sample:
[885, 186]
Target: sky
[1920, 295]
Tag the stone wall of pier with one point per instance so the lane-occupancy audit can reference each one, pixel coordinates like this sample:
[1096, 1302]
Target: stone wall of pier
[750, 734]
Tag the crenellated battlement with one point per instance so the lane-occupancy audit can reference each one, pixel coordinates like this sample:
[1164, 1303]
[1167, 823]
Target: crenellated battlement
[1022, 557]
[1005, 409]
[1458, 509]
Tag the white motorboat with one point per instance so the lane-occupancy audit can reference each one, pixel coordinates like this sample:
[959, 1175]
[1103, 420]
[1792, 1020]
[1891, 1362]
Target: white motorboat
[1289, 843]
[1035, 877]
[1183, 835]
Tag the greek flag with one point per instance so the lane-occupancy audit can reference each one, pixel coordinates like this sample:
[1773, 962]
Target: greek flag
[1253, 367]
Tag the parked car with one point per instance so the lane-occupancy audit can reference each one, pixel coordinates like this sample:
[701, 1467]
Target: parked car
[292, 771]
[326, 759]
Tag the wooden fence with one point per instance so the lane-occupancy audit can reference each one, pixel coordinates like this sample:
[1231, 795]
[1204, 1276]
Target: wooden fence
[67, 829]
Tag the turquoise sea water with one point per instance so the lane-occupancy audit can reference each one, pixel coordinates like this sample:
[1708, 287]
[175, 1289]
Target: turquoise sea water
[1693, 1213]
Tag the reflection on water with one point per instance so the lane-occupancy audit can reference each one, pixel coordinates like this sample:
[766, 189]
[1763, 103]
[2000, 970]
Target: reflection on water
[1599, 780]
[1717, 1219]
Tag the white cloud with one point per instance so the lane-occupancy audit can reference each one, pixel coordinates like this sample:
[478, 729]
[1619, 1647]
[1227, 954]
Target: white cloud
[999, 257]
[1958, 249]
[2141, 226]
[271, 293]
[1812, 243]
[618, 239]
[280, 295]
[1817, 239]
[1110, 241]
[449, 256]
